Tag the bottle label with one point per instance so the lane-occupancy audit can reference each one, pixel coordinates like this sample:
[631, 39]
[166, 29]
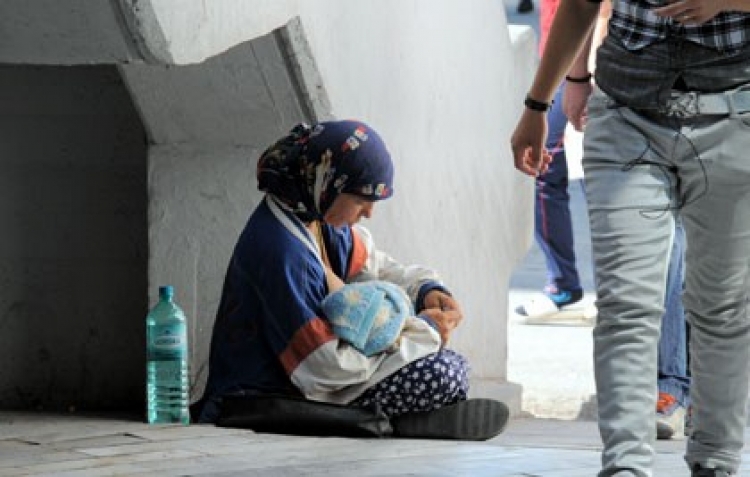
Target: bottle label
[168, 342]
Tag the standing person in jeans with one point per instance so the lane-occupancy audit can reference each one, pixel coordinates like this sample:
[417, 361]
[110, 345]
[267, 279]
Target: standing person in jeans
[666, 139]
[553, 225]
[673, 380]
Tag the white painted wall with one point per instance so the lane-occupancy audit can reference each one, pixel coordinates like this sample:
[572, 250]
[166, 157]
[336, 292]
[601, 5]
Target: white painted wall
[438, 79]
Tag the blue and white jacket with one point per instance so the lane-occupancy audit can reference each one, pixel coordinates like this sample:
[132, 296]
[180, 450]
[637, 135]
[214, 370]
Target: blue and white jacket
[270, 335]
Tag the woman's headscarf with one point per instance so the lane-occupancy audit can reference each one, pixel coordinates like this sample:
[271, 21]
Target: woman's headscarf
[307, 169]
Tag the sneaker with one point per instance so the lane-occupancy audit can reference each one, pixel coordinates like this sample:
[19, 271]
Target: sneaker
[550, 302]
[563, 297]
[472, 420]
[525, 6]
[699, 471]
[670, 417]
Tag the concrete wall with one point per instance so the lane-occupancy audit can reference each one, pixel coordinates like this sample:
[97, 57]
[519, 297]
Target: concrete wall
[73, 252]
[72, 32]
[440, 80]
[440, 83]
[207, 124]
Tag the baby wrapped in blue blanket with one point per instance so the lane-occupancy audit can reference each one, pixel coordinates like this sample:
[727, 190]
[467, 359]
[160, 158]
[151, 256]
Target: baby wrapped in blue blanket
[368, 315]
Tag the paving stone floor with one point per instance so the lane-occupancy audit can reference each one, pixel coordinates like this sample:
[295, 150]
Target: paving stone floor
[88, 446]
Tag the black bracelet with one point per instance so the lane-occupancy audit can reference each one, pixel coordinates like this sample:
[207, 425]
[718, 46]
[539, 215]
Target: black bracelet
[535, 105]
[581, 79]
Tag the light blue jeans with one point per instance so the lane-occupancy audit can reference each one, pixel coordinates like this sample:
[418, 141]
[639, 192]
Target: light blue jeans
[638, 171]
[673, 377]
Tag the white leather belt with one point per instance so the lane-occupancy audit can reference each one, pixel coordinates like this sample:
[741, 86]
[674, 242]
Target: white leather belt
[691, 103]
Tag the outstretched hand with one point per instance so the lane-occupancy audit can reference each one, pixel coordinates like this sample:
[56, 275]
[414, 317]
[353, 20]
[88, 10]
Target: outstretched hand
[529, 154]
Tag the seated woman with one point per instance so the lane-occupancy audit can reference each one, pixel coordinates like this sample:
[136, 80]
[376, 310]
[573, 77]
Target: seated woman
[271, 335]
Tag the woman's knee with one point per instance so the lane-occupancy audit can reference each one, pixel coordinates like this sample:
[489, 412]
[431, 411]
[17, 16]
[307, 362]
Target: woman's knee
[449, 373]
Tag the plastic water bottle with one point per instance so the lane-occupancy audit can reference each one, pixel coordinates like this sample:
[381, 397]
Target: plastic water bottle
[167, 383]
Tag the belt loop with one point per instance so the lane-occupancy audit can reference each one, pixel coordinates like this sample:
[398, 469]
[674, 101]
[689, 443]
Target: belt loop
[739, 100]
[729, 96]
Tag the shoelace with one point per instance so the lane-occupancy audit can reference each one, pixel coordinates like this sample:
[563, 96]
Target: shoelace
[665, 402]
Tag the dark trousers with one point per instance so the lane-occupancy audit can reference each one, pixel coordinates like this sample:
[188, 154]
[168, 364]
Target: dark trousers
[553, 224]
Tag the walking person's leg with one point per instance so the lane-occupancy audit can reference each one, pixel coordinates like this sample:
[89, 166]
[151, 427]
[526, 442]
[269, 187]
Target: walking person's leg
[632, 164]
[717, 224]
[553, 225]
[630, 193]
[673, 380]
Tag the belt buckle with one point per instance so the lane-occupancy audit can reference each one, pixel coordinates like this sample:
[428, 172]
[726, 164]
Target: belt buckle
[683, 105]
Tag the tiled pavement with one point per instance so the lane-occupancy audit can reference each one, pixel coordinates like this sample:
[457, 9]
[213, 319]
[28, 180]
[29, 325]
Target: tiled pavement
[87, 446]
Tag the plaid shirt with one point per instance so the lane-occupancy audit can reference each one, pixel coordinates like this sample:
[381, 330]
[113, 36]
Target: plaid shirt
[638, 27]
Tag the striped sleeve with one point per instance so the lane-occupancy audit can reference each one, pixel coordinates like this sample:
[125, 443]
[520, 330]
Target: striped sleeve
[306, 340]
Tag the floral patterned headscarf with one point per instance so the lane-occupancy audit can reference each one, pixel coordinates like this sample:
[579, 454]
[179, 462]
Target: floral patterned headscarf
[307, 169]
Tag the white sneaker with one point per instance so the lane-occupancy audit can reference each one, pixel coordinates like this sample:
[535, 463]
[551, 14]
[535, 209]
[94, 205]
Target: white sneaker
[670, 417]
[542, 309]
[538, 307]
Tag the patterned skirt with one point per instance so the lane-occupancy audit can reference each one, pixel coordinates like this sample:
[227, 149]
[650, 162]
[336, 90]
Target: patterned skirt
[423, 385]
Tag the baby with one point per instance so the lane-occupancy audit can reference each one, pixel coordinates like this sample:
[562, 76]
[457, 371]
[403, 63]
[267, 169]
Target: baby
[369, 315]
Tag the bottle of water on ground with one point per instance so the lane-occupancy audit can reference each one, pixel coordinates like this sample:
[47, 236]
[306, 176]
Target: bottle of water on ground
[167, 385]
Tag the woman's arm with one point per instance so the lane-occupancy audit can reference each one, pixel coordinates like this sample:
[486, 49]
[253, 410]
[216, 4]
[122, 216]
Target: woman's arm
[417, 280]
[432, 301]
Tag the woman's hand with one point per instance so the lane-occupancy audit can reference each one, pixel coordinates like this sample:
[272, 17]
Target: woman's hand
[441, 300]
[444, 311]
